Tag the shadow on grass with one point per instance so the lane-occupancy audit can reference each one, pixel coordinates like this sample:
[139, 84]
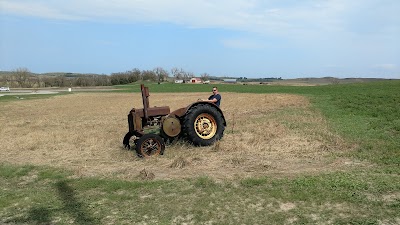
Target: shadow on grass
[40, 215]
[72, 205]
[36, 215]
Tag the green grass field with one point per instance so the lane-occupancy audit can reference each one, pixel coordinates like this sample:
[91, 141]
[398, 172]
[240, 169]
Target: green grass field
[18, 97]
[366, 115]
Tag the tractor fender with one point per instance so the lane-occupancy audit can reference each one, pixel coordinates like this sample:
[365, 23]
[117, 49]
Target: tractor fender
[182, 111]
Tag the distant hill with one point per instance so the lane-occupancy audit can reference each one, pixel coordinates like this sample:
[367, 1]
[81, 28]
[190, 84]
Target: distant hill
[271, 80]
[329, 80]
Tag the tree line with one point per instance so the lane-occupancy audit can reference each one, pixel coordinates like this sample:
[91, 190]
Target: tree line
[23, 78]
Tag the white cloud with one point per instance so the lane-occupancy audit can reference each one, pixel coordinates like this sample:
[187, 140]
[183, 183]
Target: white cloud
[385, 66]
[267, 17]
[388, 70]
[36, 9]
[245, 44]
[315, 23]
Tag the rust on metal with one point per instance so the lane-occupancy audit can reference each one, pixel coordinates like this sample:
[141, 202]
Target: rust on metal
[145, 98]
[171, 126]
[155, 111]
[179, 112]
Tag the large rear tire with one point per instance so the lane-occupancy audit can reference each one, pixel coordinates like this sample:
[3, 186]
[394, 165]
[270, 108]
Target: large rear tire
[150, 145]
[203, 125]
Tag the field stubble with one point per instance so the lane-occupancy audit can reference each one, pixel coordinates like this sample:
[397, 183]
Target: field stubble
[267, 134]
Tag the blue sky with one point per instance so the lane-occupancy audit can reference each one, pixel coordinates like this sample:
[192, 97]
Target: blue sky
[251, 38]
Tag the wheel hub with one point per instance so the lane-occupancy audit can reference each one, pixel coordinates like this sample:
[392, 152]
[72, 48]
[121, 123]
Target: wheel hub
[205, 126]
[150, 147]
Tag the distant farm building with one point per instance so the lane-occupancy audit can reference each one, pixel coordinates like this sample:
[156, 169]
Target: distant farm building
[178, 81]
[230, 80]
[195, 80]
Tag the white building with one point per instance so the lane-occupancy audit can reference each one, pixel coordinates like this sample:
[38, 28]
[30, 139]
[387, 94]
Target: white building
[230, 80]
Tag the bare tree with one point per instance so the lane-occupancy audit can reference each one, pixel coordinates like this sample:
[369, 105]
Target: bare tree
[161, 74]
[4, 80]
[21, 76]
[47, 81]
[9, 80]
[149, 75]
[34, 81]
[334, 80]
[189, 75]
[176, 73]
[135, 75]
[205, 76]
[60, 81]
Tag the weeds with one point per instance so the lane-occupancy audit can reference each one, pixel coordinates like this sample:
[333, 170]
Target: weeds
[146, 175]
[179, 163]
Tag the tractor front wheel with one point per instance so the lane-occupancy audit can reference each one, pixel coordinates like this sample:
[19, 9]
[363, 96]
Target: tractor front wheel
[150, 145]
[126, 141]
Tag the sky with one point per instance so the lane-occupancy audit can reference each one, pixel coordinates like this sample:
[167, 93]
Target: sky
[237, 38]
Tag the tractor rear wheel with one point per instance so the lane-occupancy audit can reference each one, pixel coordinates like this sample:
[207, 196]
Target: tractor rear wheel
[150, 145]
[203, 125]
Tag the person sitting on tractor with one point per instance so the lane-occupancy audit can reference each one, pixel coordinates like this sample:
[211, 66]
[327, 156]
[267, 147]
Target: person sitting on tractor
[214, 98]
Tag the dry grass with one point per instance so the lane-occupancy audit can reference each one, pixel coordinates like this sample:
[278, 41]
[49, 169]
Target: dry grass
[179, 163]
[267, 134]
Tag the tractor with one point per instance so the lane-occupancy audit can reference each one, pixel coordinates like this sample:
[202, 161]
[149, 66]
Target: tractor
[200, 123]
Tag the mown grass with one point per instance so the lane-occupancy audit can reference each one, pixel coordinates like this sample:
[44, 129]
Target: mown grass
[18, 97]
[365, 114]
[368, 115]
[35, 195]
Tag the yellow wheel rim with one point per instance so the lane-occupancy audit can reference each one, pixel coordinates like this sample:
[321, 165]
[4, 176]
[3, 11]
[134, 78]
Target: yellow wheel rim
[205, 126]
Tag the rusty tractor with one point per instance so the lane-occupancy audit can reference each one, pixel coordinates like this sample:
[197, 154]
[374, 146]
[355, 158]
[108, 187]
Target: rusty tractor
[200, 123]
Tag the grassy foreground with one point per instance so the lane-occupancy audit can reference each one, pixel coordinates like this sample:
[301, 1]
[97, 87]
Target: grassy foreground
[366, 114]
